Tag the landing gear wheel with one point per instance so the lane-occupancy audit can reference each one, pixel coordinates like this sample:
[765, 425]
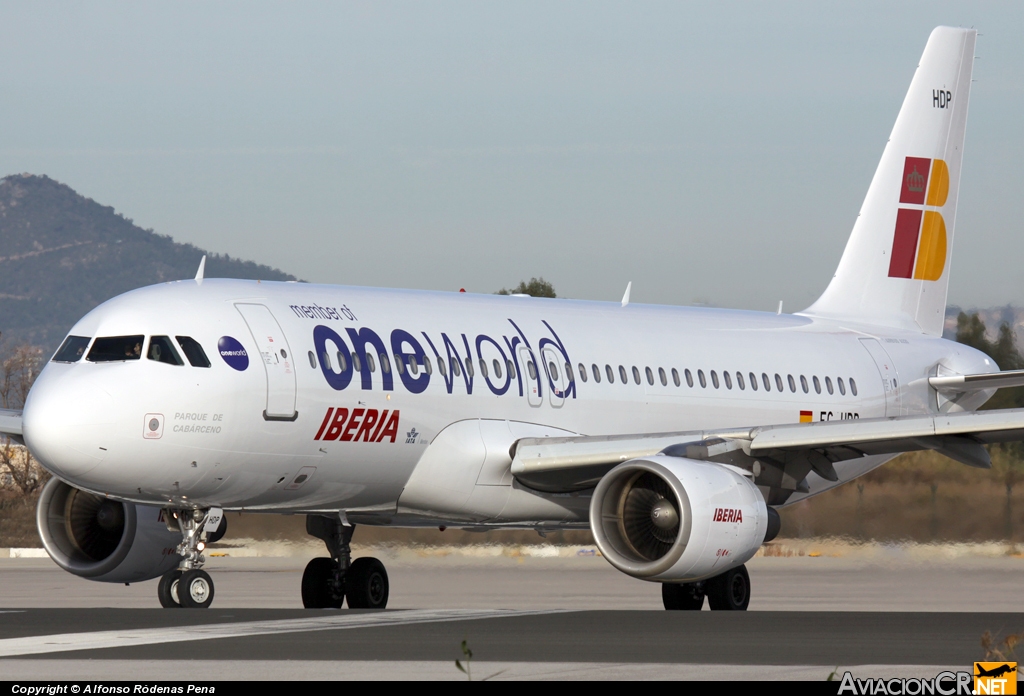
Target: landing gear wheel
[729, 591]
[195, 589]
[366, 584]
[318, 581]
[167, 590]
[686, 596]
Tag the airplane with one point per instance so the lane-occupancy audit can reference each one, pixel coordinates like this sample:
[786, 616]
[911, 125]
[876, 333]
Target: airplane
[673, 433]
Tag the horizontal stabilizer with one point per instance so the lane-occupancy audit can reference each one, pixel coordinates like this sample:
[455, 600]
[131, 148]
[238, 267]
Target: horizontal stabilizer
[968, 383]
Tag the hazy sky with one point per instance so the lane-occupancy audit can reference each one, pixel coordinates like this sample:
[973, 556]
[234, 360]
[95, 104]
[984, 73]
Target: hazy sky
[712, 152]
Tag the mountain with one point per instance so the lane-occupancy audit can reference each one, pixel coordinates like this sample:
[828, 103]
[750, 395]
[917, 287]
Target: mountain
[61, 254]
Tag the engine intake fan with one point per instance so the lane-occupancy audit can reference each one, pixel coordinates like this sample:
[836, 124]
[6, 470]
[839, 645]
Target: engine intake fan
[666, 518]
[102, 539]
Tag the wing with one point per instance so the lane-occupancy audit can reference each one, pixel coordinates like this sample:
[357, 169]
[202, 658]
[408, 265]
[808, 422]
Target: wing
[779, 456]
[10, 424]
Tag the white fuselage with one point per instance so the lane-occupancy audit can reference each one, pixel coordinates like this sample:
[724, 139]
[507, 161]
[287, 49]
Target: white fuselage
[90, 422]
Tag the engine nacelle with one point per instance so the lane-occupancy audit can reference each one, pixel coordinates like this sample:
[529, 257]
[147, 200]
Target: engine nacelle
[102, 539]
[671, 519]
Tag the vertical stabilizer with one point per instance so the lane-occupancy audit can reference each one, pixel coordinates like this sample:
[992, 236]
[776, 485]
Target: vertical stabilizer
[895, 269]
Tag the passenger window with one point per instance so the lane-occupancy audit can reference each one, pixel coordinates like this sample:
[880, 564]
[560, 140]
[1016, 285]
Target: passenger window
[636, 375]
[442, 368]
[497, 369]
[803, 384]
[325, 360]
[194, 352]
[483, 368]
[728, 379]
[853, 387]
[792, 383]
[739, 380]
[312, 360]
[532, 369]
[828, 385]
[399, 364]
[568, 372]
[842, 387]
[714, 378]
[426, 366]
[553, 371]
[342, 361]
[72, 349]
[357, 364]
[817, 384]
[611, 374]
[675, 376]
[766, 382]
[162, 350]
[469, 367]
[597, 373]
[414, 367]
[116, 349]
[622, 375]
[583, 373]
[689, 377]
[650, 375]
[456, 367]
[662, 376]
[385, 364]
[753, 381]
[701, 378]
[778, 381]
[512, 369]
[370, 363]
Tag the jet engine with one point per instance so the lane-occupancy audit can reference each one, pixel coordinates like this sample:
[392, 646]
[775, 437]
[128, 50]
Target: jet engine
[102, 539]
[670, 519]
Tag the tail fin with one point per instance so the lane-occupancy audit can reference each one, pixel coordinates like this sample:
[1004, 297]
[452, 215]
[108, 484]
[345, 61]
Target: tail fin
[895, 269]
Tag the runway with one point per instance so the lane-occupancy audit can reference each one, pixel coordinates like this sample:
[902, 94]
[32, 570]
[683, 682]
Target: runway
[524, 618]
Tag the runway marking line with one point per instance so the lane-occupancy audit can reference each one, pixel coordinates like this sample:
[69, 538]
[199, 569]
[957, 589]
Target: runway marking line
[98, 640]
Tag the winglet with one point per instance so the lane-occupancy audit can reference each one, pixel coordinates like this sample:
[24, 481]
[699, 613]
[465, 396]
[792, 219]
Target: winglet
[625, 297]
[202, 268]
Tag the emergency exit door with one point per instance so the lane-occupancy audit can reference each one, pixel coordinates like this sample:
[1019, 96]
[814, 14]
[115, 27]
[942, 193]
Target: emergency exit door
[278, 361]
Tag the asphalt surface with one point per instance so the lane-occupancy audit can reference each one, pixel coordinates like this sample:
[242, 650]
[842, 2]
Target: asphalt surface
[768, 638]
[553, 618]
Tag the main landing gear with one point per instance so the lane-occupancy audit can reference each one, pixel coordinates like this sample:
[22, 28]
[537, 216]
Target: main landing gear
[729, 591]
[328, 582]
[188, 585]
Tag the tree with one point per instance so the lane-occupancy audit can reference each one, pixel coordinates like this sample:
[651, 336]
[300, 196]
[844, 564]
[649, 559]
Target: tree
[1007, 458]
[18, 370]
[536, 287]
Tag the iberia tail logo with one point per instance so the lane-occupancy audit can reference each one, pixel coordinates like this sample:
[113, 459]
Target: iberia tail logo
[919, 243]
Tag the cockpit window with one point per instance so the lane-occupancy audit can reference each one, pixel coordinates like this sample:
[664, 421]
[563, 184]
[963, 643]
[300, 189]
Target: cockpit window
[193, 351]
[72, 349]
[162, 350]
[116, 348]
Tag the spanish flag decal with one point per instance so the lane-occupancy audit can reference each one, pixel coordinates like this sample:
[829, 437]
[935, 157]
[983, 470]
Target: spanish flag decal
[806, 416]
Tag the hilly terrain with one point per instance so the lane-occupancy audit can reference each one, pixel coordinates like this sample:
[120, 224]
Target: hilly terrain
[61, 254]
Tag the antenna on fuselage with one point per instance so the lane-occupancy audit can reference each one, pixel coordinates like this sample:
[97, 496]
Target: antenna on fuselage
[779, 311]
[202, 269]
[625, 297]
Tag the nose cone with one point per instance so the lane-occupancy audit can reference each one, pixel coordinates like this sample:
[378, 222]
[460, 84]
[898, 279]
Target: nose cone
[65, 420]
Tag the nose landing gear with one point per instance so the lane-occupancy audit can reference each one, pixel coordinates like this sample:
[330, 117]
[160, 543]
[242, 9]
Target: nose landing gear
[188, 585]
[328, 582]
